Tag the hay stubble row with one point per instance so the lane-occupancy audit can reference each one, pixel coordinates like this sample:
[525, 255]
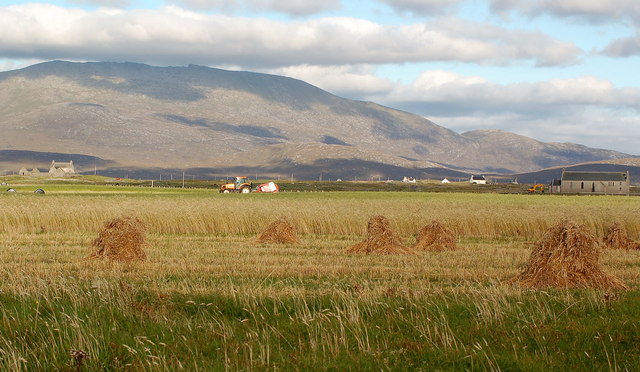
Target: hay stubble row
[566, 257]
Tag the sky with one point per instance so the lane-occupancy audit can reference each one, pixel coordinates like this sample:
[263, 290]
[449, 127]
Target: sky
[553, 70]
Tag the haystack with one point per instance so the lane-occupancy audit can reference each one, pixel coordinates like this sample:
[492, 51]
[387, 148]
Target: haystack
[121, 239]
[280, 231]
[381, 239]
[617, 238]
[566, 257]
[436, 236]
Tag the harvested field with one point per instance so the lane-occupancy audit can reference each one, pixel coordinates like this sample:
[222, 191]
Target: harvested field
[208, 298]
[436, 236]
[380, 239]
[617, 238]
[280, 231]
[121, 239]
[567, 256]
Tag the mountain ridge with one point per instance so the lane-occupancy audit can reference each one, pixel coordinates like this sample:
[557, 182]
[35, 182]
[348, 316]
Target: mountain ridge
[135, 115]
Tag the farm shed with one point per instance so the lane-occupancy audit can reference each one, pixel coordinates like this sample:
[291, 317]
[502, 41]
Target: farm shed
[25, 172]
[616, 183]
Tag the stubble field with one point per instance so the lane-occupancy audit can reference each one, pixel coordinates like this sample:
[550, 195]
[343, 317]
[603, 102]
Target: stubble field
[209, 298]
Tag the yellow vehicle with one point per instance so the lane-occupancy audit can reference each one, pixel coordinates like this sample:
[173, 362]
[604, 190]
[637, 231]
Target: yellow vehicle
[239, 184]
[535, 188]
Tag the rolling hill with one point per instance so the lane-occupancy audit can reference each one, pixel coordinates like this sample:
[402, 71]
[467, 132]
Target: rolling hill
[144, 118]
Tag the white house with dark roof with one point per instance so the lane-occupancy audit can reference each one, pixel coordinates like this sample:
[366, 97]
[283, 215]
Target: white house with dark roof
[577, 182]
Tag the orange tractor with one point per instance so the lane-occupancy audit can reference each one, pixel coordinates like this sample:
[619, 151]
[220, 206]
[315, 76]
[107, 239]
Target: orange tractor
[239, 184]
[535, 188]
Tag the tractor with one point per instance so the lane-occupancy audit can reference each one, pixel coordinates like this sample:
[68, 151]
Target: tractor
[535, 188]
[239, 184]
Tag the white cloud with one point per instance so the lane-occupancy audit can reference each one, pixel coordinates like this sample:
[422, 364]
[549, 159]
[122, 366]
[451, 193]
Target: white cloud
[292, 7]
[12, 64]
[422, 7]
[105, 3]
[592, 10]
[345, 81]
[596, 11]
[584, 110]
[593, 128]
[173, 35]
[475, 94]
[624, 47]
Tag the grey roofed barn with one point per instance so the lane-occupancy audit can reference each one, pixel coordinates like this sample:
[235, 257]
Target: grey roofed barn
[613, 183]
[595, 176]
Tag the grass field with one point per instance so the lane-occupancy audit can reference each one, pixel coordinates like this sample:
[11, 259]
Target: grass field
[209, 298]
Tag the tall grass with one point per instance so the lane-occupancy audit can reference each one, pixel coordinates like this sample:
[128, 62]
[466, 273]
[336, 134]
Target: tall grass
[341, 214]
[209, 298]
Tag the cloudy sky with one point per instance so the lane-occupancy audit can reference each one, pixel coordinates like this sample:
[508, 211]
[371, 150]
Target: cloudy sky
[554, 70]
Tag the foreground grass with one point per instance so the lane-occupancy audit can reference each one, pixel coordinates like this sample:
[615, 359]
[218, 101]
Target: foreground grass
[208, 298]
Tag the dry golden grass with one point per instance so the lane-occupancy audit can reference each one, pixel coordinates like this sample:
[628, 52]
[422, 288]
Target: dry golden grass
[209, 298]
[195, 232]
[201, 264]
[346, 214]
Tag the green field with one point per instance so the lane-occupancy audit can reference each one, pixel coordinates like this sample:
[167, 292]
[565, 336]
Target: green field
[209, 298]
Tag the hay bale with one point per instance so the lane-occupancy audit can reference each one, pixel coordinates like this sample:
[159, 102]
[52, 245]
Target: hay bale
[436, 236]
[617, 238]
[381, 239]
[566, 257]
[121, 239]
[280, 231]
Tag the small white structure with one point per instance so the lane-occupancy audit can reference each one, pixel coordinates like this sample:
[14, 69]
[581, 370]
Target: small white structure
[477, 180]
[445, 181]
[409, 180]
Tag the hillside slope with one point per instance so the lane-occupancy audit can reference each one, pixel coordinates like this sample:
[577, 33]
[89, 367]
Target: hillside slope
[185, 117]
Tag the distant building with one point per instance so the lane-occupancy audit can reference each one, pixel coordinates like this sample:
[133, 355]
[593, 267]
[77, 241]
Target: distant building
[477, 180]
[617, 183]
[25, 172]
[409, 180]
[61, 169]
[445, 181]
[554, 187]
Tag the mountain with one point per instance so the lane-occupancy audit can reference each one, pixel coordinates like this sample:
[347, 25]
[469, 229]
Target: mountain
[136, 116]
[518, 153]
